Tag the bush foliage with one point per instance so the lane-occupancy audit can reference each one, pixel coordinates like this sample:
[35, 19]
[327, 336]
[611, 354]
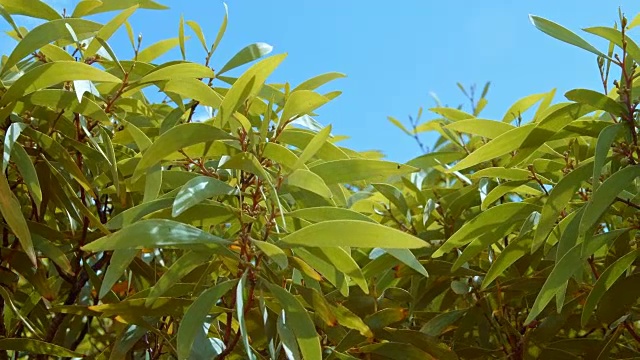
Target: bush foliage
[132, 229]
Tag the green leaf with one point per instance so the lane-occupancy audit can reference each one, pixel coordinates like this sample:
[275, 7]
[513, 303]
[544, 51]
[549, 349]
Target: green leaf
[155, 233]
[302, 102]
[77, 203]
[114, 5]
[553, 120]
[28, 172]
[240, 311]
[409, 259]
[502, 173]
[481, 127]
[350, 170]
[59, 154]
[519, 187]
[248, 162]
[314, 145]
[324, 213]
[514, 251]
[452, 114]
[136, 213]
[195, 316]
[597, 100]
[615, 36]
[352, 233]
[343, 261]
[305, 179]
[557, 31]
[32, 8]
[428, 161]
[177, 72]
[495, 220]
[10, 138]
[440, 322]
[194, 89]
[280, 154]
[634, 22]
[488, 238]
[120, 260]
[273, 252]
[399, 125]
[606, 194]
[246, 55]
[181, 38]
[46, 33]
[198, 30]
[197, 190]
[603, 145]
[108, 30]
[33, 346]
[298, 320]
[152, 183]
[391, 350]
[54, 73]
[221, 30]
[12, 214]
[394, 195]
[111, 157]
[562, 271]
[558, 199]
[248, 85]
[522, 106]
[139, 137]
[287, 337]
[179, 269]
[605, 282]
[503, 144]
[158, 49]
[318, 81]
[174, 139]
[7, 17]
[62, 99]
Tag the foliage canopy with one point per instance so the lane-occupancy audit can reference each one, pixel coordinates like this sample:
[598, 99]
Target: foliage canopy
[132, 229]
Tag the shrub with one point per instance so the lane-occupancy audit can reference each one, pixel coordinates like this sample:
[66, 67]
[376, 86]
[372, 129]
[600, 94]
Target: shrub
[132, 229]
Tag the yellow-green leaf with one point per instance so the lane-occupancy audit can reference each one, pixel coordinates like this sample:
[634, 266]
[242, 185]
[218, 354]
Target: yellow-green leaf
[174, 139]
[561, 33]
[298, 320]
[350, 170]
[352, 233]
[33, 346]
[12, 214]
[246, 55]
[597, 100]
[155, 233]
[248, 85]
[54, 73]
[493, 220]
[606, 194]
[46, 33]
[32, 8]
[301, 102]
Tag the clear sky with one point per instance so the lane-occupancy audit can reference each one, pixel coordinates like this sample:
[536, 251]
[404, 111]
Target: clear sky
[396, 53]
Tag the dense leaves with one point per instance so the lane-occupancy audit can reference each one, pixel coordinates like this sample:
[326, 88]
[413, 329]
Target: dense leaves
[135, 228]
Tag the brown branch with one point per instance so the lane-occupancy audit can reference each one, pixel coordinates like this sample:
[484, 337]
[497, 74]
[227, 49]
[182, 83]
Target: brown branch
[629, 203]
[632, 331]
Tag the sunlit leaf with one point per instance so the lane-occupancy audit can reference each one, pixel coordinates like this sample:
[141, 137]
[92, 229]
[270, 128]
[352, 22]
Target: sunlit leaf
[246, 55]
[561, 33]
[352, 233]
[155, 233]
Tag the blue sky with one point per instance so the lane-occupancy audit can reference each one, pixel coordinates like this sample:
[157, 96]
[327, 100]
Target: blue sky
[396, 53]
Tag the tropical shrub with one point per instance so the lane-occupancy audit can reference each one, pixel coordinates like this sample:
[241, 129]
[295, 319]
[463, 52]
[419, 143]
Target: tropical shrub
[134, 229]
